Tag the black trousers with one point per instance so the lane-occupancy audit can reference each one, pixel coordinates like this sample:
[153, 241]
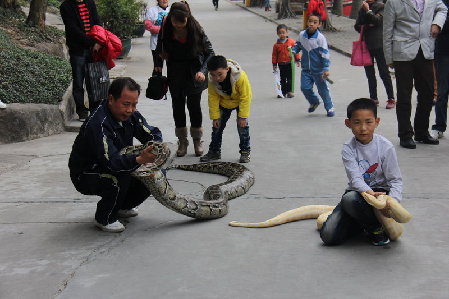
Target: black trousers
[179, 99]
[117, 191]
[285, 72]
[420, 73]
[378, 55]
[79, 66]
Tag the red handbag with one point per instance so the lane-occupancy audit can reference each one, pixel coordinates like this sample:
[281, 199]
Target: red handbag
[360, 54]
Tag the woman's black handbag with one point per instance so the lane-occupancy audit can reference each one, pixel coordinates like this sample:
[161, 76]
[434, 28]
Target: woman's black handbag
[157, 88]
[98, 80]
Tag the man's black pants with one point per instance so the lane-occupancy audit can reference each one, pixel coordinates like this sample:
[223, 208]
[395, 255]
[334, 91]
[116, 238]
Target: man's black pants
[117, 191]
[418, 71]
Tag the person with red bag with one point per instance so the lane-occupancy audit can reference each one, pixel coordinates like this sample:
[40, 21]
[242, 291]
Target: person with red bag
[371, 18]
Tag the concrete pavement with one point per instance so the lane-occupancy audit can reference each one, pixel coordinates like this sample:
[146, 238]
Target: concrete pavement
[50, 248]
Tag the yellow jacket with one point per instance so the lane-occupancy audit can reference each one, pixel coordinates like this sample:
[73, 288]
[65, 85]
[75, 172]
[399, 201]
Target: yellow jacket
[240, 97]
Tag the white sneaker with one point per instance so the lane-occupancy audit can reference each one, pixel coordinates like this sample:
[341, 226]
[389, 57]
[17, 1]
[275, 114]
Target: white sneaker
[116, 227]
[2, 105]
[436, 134]
[128, 213]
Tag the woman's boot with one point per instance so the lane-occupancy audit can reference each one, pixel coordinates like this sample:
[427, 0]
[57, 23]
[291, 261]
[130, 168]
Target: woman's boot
[196, 134]
[181, 133]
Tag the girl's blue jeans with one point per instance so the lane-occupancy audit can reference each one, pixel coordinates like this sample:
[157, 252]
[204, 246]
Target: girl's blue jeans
[217, 133]
[351, 215]
[307, 80]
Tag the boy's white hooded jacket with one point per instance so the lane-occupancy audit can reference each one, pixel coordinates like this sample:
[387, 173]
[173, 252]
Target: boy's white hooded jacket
[240, 97]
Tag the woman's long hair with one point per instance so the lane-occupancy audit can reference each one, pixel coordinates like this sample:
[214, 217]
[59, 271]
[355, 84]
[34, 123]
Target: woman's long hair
[179, 11]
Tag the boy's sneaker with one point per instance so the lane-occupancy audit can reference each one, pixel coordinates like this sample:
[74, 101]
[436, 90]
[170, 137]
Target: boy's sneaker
[435, 134]
[312, 107]
[244, 158]
[290, 95]
[210, 156]
[378, 237]
[2, 105]
[391, 103]
[115, 227]
[128, 213]
[331, 112]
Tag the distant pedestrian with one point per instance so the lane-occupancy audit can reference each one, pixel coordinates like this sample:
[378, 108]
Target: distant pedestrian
[186, 49]
[409, 32]
[442, 71]
[153, 20]
[372, 166]
[282, 59]
[267, 5]
[229, 89]
[314, 65]
[371, 18]
[215, 3]
[78, 17]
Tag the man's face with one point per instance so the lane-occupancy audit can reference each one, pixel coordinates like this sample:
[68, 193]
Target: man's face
[312, 24]
[219, 74]
[123, 107]
[363, 123]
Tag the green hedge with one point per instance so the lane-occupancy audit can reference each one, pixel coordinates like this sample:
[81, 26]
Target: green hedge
[28, 76]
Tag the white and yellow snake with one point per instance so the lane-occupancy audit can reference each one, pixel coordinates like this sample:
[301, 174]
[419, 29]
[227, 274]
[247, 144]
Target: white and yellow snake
[215, 200]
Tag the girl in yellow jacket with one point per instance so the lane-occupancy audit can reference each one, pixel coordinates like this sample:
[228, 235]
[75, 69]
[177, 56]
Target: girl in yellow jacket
[229, 89]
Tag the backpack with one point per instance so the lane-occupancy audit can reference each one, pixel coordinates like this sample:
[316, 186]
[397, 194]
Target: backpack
[157, 88]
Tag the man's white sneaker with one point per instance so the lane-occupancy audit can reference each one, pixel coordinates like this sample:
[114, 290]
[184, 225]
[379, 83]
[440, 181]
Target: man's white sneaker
[116, 227]
[436, 134]
[128, 213]
[2, 105]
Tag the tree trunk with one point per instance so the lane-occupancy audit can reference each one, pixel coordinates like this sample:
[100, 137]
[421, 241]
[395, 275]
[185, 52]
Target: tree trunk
[9, 4]
[285, 10]
[337, 8]
[356, 4]
[36, 17]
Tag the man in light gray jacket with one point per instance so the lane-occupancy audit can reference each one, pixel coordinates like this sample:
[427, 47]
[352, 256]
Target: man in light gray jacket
[409, 31]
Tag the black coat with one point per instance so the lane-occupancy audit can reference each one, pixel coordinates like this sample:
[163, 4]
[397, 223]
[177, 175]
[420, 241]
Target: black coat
[372, 29]
[76, 39]
[182, 65]
[442, 41]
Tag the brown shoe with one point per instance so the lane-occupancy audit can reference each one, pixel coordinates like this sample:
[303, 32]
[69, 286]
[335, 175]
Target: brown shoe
[183, 143]
[196, 134]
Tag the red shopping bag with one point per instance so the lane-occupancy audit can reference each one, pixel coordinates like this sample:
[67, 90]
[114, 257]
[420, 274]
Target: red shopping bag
[360, 54]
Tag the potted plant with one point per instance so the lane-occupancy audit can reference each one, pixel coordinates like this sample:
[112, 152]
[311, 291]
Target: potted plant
[139, 28]
[120, 17]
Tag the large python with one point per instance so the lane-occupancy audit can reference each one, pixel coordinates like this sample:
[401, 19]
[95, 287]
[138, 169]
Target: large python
[215, 200]
[393, 223]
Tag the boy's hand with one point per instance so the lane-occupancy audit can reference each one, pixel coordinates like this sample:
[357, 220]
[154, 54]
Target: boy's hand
[146, 156]
[326, 74]
[216, 123]
[242, 122]
[200, 77]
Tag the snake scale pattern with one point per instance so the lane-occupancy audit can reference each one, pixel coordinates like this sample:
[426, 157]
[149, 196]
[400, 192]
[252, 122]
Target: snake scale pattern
[215, 199]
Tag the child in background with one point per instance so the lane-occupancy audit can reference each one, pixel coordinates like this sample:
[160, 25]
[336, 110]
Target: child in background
[229, 89]
[314, 64]
[281, 58]
[371, 166]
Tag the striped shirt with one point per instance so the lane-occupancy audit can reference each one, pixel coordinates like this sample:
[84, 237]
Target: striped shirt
[84, 15]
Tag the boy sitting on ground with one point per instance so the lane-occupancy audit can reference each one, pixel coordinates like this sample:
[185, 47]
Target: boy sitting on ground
[372, 167]
[229, 89]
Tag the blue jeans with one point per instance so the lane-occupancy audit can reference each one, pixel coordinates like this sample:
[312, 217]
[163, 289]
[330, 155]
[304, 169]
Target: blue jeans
[442, 70]
[351, 215]
[217, 133]
[378, 55]
[307, 80]
[79, 66]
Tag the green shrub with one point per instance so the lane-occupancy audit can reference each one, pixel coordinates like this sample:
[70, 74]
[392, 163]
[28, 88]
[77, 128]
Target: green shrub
[31, 77]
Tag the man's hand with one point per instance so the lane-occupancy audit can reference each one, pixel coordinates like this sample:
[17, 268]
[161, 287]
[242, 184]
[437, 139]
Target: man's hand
[242, 122]
[200, 77]
[158, 69]
[146, 156]
[96, 47]
[216, 123]
[435, 30]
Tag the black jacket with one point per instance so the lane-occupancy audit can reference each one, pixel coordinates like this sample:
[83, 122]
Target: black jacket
[442, 41]
[76, 39]
[372, 29]
[182, 65]
[101, 138]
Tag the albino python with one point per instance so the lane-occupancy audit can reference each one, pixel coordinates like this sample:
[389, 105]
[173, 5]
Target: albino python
[215, 199]
[392, 225]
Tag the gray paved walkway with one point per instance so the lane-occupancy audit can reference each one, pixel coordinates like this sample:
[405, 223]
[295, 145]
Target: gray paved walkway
[50, 248]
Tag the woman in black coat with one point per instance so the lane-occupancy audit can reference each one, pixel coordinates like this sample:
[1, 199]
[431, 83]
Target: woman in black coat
[186, 48]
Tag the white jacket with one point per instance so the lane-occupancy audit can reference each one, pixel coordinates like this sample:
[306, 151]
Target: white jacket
[153, 20]
[404, 30]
